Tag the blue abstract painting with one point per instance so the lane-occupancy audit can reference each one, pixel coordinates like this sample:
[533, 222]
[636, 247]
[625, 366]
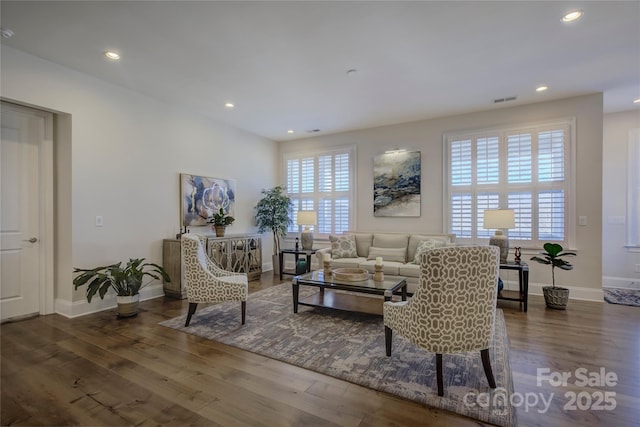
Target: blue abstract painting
[396, 184]
[202, 196]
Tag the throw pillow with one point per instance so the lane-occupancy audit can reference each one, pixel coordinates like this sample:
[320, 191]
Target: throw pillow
[343, 246]
[388, 254]
[426, 245]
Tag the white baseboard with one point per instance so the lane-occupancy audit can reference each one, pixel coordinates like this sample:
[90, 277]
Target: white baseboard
[73, 309]
[577, 293]
[621, 282]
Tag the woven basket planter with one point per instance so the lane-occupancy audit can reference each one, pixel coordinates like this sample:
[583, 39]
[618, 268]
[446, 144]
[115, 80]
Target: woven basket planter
[128, 305]
[556, 298]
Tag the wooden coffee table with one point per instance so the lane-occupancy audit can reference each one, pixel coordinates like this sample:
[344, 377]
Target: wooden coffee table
[327, 297]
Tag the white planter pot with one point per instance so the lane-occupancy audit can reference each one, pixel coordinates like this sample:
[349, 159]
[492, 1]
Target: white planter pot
[128, 305]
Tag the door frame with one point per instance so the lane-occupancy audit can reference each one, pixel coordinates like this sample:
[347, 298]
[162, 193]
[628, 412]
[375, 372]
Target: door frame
[46, 199]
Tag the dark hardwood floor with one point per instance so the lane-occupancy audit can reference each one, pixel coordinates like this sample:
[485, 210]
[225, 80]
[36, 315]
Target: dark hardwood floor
[98, 370]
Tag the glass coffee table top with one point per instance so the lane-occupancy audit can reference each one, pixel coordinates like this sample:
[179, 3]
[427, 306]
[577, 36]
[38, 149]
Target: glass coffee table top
[326, 297]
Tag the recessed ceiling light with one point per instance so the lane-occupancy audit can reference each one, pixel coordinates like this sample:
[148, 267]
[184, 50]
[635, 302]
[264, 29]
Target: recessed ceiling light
[6, 33]
[290, 131]
[112, 55]
[541, 88]
[229, 104]
[636, 101]
[572, 16]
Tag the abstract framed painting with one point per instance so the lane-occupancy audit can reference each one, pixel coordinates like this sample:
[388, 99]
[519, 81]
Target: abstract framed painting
[202, 196]
[396, 184]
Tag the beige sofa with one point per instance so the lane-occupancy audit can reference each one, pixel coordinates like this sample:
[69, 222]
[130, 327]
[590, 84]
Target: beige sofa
[398, 251]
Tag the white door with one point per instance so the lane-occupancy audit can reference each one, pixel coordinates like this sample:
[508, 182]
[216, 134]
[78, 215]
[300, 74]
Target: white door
[23, 133]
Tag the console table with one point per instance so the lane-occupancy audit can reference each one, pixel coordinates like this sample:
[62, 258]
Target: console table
[241, 253]
[171, 264]
[522, 294]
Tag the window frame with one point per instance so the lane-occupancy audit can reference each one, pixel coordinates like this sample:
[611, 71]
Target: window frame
[633, 191]
[316, 195]
[503, 187]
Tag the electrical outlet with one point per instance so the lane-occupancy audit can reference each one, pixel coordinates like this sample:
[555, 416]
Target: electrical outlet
[99, 221]
[582, 220]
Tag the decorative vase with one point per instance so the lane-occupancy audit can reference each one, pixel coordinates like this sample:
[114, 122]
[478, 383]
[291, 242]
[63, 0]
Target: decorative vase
[219, 229]
[128, 305]
[556, 298]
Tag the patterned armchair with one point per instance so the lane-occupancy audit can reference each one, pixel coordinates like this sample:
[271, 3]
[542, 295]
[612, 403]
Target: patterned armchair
[206, 282]
[453, 309]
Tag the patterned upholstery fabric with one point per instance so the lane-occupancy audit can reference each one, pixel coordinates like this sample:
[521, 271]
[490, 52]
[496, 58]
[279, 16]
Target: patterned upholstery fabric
[206, 282]
[343, 246]
[454, 307]
[424, 246]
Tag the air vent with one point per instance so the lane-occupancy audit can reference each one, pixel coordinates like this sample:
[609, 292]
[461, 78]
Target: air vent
[507, 99]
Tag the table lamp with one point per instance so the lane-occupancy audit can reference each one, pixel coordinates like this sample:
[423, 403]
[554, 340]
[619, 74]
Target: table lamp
[499, 219]
[307, 218]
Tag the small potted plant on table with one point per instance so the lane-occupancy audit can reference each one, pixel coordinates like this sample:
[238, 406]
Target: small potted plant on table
[125, 281]
[555, 296]
[220, 222]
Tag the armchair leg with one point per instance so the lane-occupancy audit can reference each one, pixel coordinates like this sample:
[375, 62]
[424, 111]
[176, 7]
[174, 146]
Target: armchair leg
[244, 311]
[388, 335]
[192, 309]
[486, 363]
[439, 374]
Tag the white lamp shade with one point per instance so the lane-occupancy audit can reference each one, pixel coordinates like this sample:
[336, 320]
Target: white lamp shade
[499, 218]
[307, 218]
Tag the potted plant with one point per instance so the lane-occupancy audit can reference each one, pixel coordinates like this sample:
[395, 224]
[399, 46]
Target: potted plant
[273, 213]
[125, 281]
[220, 221]
[555, 297]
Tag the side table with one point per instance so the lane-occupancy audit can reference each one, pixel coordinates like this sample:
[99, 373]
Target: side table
[296, 253]
[522, 294]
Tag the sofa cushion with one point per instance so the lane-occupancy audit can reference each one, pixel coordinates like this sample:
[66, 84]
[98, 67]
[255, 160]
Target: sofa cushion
[409, 270]
[391, 268]
[343, 246]
[388, 254]
[347, 262]
[384, 240]
[363, 243]
[415, 239]
[424, 246]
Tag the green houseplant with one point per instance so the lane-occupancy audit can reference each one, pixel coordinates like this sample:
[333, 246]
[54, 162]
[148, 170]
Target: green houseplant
[220, 222]
[555, 296]
[273, 214]
[125, 280]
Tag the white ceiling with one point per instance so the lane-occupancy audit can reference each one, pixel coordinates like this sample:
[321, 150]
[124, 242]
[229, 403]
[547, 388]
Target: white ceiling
[284, 63]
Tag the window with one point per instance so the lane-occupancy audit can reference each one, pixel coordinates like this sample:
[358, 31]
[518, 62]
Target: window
[322, 182]
[526, 169]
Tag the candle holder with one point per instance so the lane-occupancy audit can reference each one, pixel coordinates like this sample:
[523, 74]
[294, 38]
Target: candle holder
[378, 276]
[327, 268]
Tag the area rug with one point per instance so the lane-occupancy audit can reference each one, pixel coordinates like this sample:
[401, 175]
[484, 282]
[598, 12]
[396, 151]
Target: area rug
[350, 346]
[622, 296]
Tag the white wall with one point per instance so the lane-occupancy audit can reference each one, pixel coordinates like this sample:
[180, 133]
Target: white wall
[426, 136]
[119, 155]
[618, 263]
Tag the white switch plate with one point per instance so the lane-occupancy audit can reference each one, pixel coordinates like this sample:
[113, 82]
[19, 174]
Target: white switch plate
[99, 221]
[582, 220]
